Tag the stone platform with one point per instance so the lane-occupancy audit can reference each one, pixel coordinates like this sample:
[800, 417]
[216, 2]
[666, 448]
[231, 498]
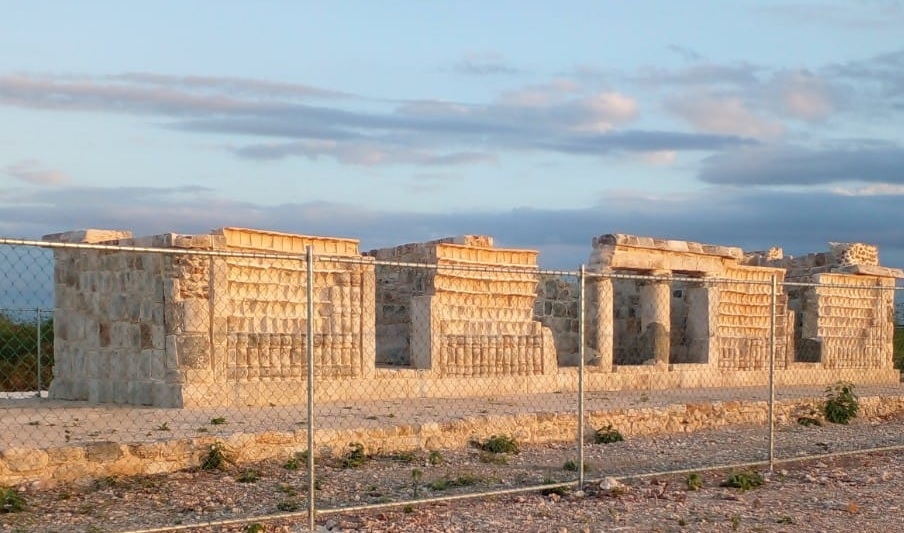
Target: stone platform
[50, 441]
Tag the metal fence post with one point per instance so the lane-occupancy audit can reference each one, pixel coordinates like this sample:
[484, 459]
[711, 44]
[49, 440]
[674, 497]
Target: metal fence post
[581, 325]
[309, 258]
[38, 344]
[773, 299]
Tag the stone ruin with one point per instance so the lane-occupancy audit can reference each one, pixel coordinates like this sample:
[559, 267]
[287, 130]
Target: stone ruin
[183, 329]
[163, 325]
[456, 320]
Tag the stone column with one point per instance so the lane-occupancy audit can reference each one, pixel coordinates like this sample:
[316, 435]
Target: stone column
[702, 322]
[598, 321]
[656, 317]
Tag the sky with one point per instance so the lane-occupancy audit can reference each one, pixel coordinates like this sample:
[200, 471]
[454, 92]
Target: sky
[543, 124]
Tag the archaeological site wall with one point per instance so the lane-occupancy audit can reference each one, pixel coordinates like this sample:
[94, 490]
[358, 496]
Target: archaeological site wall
[188, 329]
[844, 315]
[221, 319]
[464, 308]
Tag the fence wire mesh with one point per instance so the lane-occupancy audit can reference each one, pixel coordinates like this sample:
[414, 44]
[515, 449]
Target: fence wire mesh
[185, 375]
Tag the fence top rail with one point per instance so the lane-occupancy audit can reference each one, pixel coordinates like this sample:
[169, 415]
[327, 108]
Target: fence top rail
[144, 249]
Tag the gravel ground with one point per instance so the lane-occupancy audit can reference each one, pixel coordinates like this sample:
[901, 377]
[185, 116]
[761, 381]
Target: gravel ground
[827, 493]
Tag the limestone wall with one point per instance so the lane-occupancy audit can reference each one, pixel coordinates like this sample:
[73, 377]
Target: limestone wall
[469, 314]
[557, 307]
[176, 329]
[844, 306]
[110, 339]
[221, 318]
[49, 465]
[744, 310]
[852, 319]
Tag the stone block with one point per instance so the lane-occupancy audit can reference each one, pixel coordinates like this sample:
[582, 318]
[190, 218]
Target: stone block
[24, 459]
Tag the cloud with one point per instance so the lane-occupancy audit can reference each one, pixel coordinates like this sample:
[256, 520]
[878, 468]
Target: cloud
[658, 158]
[642, 141]
[883, 73]
[363, 153]
[803, 95]
[753, 219]
[728, 115]
[879, 189]
[700, 74]
[686, 53]
[865, 16]
[31, 171]
[841, 161]
[365, 132]
[232, 85]
[487, 64]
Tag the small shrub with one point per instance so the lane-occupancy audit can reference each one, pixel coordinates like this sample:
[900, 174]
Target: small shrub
[215, 458]
[570, 466]
[11, 501]
[743, 480]
[296, 461]
[607, 435]
[218, 421]
[355, 456]
[694, 481]
[463, 480]
[405, 457]
[841, 403]
[408, 509]
[499, 444]
[416, 475]
[288, 506]
[435, 458]
[558, 491]
[248, 476]
[785, 520]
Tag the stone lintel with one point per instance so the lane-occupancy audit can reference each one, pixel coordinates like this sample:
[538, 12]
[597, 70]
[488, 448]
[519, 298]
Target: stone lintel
[871, 270]
[667, 245]
[621, 257]
[274, 241]
[88, 236]
[476, 241]
[466, 249]
[457, 253]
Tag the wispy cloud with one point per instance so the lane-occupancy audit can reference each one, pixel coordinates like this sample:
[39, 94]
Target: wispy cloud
[688, 54]
[839, 161]
[484, 64]
[859, 15]
[32, 172]
[879, 189]
[727, 115]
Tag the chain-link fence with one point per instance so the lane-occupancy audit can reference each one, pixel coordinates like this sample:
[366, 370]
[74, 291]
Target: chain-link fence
[228, 386]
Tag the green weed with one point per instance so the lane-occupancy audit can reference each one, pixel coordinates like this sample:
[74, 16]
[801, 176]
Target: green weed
[607, 435]
[499, 444]
[841, 403]
[11, 501]
[746, 480]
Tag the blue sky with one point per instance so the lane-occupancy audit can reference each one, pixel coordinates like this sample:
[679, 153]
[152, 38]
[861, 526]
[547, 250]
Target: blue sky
[744, 123]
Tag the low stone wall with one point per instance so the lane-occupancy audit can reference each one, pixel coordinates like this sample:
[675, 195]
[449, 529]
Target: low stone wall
[70, 463]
